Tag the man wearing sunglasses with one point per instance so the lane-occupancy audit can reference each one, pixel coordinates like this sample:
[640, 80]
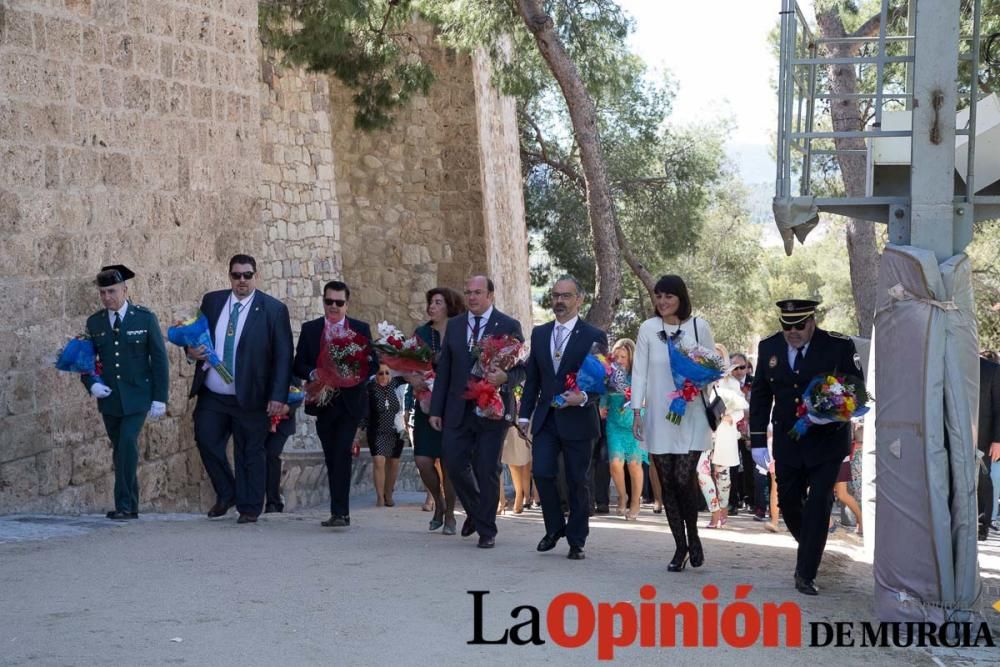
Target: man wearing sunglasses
[337, 421]
[807, 468]
[252, 335]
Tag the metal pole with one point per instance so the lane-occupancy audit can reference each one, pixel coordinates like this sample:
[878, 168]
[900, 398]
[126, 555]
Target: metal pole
[932, 165]
[964, 220]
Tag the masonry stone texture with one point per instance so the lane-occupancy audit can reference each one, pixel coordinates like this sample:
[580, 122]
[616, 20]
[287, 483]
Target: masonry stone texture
[161, 135]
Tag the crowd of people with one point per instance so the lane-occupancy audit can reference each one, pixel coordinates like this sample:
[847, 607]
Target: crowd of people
[564, 446]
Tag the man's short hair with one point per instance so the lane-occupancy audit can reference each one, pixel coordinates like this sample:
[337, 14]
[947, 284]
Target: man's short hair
[242, 259]
[338, 286]
[576, 283]
[489, 282]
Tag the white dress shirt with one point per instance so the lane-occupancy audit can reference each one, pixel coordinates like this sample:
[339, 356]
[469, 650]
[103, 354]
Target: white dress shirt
[121, 314]
[483, 319]
[213, 380]
[791, 354]
[563, 339]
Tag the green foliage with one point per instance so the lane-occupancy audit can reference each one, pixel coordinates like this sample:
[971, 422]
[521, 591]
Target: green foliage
[984, 251]
[362, 42]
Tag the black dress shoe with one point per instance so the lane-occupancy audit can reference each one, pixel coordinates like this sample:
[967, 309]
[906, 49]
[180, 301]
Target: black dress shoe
[336, 521]
[115, 515]
[679, 561]
[247, 518]
[549, 542]
[602, 509]
[469, 527]
[271, 509]
[806, 586]
[219, 509]
[576, 553]
[486, 542]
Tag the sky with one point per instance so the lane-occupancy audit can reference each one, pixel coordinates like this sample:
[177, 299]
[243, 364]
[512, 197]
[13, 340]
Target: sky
[718, 52]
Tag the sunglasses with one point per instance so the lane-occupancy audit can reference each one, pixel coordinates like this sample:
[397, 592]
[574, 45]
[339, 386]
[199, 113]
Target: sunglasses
[798, 326]
[339, 302]
[236, 275]
[740, 368]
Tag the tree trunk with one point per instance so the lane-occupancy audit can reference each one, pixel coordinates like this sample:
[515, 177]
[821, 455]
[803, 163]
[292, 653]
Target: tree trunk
[862, 251]
[600, 206]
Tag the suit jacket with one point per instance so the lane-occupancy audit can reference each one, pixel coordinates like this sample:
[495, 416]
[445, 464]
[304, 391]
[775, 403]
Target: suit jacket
[543, 382]
[455, 368]
[352, 399]
[775, 384]
[263, 353]
[135, 365]
[989, 405]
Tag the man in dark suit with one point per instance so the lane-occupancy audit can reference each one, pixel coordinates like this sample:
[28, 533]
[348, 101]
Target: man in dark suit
[253, 337]
[134, 379]
[558, 348]
[337, 421]
[472, 445]
[806, 468]
[988, 439]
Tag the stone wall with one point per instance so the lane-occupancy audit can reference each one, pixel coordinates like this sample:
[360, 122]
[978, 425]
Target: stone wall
[129, 133]
[435, 198]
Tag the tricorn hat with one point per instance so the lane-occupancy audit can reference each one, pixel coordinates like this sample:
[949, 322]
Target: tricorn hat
[113, 274]
[794, 311]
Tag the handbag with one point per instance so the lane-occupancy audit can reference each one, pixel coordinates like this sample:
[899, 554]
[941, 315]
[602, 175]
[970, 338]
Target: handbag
[716, 410]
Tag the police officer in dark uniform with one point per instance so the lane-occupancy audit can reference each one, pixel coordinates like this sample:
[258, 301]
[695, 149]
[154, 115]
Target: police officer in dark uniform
[807, 468]
[134, 374]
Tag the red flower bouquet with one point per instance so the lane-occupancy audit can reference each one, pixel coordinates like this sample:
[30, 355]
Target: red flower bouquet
[402, 354]
[342, 362]
[492, 353]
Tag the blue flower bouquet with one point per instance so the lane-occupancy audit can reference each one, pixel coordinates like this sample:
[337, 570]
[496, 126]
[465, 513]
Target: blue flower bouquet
[193, 332]
[79, 356]
[693, 368]
[591, 378]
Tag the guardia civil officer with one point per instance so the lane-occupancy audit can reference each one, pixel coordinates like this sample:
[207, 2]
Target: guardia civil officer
[134, 379]
[806, 469]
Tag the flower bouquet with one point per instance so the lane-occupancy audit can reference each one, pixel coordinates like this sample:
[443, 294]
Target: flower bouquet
[423, 396]
[592, 377]
[693, 368]
[342, 362]
[402, 354]
[79, 356]
[829, 399]
[193, 332]
[492, 353]
[295, 396]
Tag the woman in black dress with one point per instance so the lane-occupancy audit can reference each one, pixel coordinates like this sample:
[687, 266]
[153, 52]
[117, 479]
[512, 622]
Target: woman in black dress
[442, 303]
[385, 441]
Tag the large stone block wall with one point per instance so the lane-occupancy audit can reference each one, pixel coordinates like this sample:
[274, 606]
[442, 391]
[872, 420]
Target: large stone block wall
[421, 204]
[129, 133]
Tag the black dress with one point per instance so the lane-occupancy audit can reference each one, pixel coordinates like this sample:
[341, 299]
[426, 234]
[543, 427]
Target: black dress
[426, 440]
[383, 406]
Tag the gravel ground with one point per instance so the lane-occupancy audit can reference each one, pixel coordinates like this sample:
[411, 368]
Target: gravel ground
[181, 589]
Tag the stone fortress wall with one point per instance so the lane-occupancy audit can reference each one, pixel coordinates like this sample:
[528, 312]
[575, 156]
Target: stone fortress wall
[157, 134]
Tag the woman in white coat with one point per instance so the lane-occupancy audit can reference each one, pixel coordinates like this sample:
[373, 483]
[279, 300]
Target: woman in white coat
[714, 466]
[674, 448]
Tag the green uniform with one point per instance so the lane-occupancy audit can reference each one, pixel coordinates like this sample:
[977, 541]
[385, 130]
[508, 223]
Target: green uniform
[134, 366]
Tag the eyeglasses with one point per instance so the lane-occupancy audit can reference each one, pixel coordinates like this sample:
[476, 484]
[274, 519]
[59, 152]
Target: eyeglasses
[798, 326]
[245, 275]
[563, 296]
[740, 368]
[339, 302]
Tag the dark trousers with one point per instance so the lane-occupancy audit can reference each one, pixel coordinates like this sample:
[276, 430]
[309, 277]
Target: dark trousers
[336, 429]
[805, 496]
[471, 455]
[275, 445]
[124, 434]
[216, 418]
[762, 490]
[986, 494]
[600, 473]
[545, 450]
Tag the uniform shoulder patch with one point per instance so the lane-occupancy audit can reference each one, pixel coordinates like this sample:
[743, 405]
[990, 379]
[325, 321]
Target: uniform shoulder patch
[837, 334]
[142, 309]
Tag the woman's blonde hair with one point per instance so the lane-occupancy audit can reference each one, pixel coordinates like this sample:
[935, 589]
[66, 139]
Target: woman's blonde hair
[628, 345]
[721, 350]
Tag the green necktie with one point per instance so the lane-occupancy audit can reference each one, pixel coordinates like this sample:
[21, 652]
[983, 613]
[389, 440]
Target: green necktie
[230, 346]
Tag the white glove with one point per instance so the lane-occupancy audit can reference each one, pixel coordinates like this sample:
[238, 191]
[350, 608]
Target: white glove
[99, 390]
[157, 410]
